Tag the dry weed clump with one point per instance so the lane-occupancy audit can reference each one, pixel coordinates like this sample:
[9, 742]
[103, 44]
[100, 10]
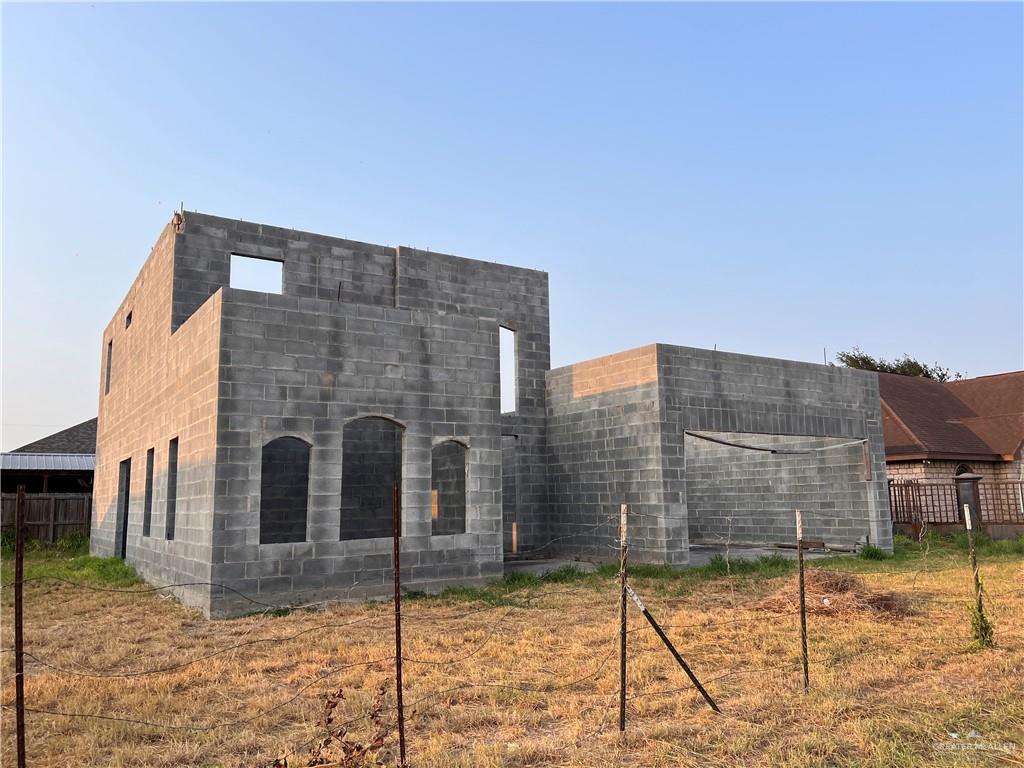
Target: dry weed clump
[835, 593]
[338, 749]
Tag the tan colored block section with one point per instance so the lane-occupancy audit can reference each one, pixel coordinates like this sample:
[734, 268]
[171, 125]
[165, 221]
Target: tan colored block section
[623, 370]
[162, 386]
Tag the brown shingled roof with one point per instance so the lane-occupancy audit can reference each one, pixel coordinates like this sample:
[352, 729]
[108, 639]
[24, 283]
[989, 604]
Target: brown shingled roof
[980, 418]
[999, 402]
[898, 438]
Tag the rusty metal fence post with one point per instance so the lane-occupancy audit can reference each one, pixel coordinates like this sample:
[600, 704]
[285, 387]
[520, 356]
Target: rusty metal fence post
[623, 512]
[396, 533]
[803, 597]
[19, 625]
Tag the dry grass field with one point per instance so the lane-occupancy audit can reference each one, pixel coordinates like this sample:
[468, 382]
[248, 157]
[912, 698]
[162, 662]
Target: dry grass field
[526, 674]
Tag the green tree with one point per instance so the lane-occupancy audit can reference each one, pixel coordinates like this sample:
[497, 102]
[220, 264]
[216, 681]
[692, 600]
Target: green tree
[904, 366]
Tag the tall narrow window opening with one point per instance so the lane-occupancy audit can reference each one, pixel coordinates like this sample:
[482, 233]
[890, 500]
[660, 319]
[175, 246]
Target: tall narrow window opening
[106, 377]
[448, 488]
[371, 473]
[172, 488]
[284, 490]
[147, 509]
[508, 372]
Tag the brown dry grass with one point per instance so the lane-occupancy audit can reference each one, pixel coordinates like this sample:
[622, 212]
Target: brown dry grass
[884, 693]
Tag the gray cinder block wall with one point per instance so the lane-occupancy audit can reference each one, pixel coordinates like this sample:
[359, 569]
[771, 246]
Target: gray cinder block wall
[428, 373]
[711, 391]
[605, 449]
[516, 299]
[410, 339]
[618, 434]
[741, 496]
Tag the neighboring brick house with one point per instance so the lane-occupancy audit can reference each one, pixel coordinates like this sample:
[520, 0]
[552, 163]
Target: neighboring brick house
[936, 431]
[255, 442]
[932, 429]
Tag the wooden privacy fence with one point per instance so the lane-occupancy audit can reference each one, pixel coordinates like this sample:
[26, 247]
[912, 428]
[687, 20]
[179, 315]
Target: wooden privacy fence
[49, 516]
[938, 503]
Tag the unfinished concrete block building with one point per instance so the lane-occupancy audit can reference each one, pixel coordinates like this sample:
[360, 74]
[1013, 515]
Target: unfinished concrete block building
[254, 444]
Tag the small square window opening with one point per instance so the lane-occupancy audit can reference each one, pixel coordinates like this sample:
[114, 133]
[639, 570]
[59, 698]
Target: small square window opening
[253, 274]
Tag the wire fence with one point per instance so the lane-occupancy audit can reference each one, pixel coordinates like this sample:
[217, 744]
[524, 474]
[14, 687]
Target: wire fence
[649, 653]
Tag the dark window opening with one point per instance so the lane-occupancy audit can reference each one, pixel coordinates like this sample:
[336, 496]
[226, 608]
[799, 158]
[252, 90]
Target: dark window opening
[448, 488]
[172, 488]
[124, 489]
[284, 490]
[147, 509]
[251, 273]
[371, 477]
[106, 378]
[128, 320]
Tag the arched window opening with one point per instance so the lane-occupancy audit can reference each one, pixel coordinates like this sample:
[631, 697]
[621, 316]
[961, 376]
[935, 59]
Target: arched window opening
[284, 490]
[963, 469]
[371, 474]
[448, 488]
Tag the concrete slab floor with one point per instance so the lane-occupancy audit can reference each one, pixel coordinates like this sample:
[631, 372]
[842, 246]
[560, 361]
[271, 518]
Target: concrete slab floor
[701, 554]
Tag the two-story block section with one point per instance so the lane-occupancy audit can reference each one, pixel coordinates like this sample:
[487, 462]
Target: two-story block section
[253, 447]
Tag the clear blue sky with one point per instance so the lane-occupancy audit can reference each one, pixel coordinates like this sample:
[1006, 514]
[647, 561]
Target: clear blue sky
[773, 179]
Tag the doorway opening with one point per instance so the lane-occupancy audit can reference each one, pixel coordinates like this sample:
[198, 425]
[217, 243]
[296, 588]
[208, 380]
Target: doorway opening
[124, 488]
[510, 495]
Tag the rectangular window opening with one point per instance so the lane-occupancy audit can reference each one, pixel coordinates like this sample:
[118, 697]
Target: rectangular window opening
[172, 487]
[128, 320]
[106, 378]
[251, 273]
[147, 509]
[508, 370]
